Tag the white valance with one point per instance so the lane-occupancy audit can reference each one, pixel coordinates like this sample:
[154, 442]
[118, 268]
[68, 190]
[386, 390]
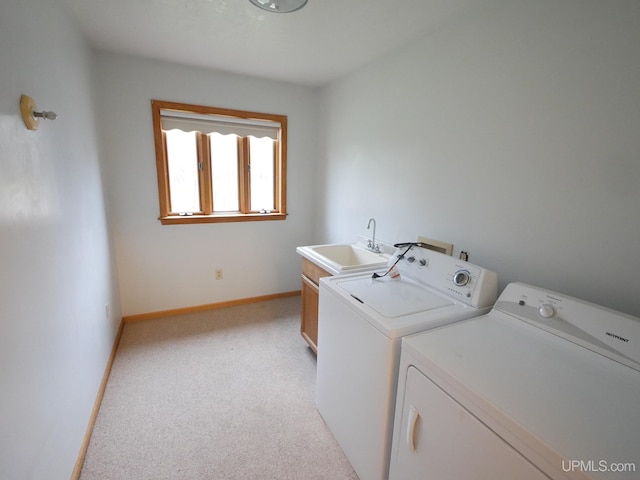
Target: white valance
[193, 122]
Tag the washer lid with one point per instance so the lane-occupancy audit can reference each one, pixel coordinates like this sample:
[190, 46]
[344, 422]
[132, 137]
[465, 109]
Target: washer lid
[393, 298]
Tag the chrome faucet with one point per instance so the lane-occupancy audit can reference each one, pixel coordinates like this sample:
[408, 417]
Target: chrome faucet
[371, 244]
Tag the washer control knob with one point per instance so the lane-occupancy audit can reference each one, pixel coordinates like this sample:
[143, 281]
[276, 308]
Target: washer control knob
[411, 259]
[546, 310]
[461, 278]
[423, 262]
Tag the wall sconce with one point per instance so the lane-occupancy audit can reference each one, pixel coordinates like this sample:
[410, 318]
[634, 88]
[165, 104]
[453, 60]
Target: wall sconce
[30, 116]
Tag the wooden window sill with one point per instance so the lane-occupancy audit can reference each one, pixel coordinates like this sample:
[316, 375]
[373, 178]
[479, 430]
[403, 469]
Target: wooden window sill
[221, 217]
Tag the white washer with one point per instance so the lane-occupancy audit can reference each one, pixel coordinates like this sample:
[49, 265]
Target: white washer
[544, 386]
[361, 323]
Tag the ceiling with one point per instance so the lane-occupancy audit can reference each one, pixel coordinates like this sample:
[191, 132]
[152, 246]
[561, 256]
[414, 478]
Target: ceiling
[312, 46]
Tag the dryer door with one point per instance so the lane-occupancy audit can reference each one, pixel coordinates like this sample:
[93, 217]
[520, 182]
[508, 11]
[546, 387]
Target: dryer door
[440, 439]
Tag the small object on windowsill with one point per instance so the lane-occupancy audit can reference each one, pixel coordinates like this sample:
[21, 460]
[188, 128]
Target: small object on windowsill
[265, 211]
[186, 214]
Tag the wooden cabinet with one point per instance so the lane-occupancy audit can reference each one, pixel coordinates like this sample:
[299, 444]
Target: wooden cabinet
[309, 316]
[311, 275]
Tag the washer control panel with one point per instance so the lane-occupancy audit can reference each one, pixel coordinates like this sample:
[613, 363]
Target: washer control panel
[469, 283]
[462, 278]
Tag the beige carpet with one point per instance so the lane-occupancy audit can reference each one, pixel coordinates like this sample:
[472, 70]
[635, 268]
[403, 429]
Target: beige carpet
[223, 394]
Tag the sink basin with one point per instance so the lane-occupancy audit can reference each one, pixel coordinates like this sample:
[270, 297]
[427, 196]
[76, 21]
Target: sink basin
[343, 257]
[348, 255]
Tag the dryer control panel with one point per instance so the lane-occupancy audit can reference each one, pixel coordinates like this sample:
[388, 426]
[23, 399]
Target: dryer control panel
[602, 330]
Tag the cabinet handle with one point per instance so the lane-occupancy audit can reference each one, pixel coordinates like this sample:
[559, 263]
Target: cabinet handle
[412, 421]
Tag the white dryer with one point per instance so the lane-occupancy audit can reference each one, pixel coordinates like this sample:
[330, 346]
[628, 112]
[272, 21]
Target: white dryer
[544, 386]
[362, 319]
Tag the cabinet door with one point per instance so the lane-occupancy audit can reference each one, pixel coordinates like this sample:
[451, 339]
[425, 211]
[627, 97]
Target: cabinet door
[439, 439]
[309, 316]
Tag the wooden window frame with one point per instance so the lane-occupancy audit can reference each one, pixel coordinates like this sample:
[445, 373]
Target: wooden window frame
[207, 215]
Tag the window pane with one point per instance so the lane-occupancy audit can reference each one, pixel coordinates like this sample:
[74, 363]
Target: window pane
[224, 172]
[183, 171]
[262, 180]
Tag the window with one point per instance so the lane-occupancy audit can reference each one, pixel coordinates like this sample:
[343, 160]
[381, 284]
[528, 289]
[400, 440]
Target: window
[219, 165]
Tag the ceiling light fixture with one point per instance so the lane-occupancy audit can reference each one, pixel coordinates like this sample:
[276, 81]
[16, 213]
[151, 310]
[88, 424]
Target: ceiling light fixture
[279, 6]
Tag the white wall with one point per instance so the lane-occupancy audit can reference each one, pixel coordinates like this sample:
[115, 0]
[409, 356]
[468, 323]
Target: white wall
[512, 132]
[55, 266]
[166, 267]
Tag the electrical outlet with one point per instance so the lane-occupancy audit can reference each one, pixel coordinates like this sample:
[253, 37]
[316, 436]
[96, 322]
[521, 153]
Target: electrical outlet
[107, 311]
[219, 274]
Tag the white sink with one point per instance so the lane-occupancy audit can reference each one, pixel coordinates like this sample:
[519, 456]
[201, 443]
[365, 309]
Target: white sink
[343, 257]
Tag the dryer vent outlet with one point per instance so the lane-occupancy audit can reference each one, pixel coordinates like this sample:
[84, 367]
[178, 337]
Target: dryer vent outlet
[437, 245]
